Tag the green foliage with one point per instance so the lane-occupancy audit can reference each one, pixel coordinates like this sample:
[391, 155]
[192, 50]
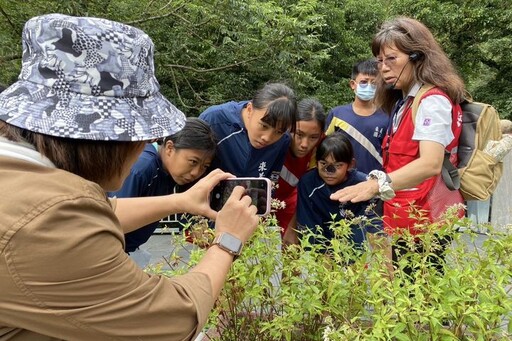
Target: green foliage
[209, 52]
[343, 294]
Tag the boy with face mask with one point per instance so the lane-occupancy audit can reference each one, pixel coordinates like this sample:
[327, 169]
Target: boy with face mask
[363, 123]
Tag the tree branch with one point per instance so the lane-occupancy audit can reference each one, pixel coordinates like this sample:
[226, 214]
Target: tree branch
[8, 19]
[178, 91]
[196, 95]
[177, 66]
[9, 57]
[148, 19]
[157, 17]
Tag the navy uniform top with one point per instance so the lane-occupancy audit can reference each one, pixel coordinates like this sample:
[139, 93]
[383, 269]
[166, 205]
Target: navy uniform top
[235, 154]
[364, 132]
[147, 178]
[315, 208]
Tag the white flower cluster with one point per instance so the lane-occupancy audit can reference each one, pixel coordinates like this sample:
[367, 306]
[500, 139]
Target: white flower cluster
[327, 330]
[276, 204]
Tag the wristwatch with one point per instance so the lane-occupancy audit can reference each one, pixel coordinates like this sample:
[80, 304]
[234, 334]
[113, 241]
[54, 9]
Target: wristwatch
[384, 181]
[229, 243]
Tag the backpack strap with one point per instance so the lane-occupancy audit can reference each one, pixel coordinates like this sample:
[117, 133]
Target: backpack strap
[417, 99]
[449, 172]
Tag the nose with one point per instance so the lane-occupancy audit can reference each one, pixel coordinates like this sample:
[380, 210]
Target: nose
[196, 171]
[384, 68]
[330, 169]
[303, 142]
[268, 136]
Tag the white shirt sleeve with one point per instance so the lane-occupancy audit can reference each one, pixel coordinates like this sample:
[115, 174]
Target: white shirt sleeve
[434, 120]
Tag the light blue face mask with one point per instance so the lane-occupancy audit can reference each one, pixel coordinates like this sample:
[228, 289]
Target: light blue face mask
[365, 92]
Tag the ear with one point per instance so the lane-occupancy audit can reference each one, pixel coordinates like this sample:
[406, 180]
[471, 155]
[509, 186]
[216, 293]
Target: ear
[168, 147]
[415, 56]
[352, 164]
[249, 108]
[353, 84]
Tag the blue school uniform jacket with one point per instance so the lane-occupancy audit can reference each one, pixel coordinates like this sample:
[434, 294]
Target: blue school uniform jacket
[234, 151]
[315, 208]
[147, 178]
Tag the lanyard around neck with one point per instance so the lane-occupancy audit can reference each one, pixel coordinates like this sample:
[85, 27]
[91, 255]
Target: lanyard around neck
[395, 121]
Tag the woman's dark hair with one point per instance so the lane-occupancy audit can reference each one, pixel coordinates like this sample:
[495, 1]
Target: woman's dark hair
[337, 145]
[196, 134]
[280, 103]
[365, 67]
[310, 109]
[97, 161]
[431, 64]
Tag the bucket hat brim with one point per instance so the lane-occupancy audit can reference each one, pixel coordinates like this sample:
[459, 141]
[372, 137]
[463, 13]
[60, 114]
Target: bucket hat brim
[88, 78]
[40, 109]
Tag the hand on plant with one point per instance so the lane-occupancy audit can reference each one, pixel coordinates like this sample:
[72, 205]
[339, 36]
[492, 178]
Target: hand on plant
[238, 216]
[363, 191]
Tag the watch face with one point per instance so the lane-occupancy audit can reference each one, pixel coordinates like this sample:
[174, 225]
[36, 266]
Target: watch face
[231, 243]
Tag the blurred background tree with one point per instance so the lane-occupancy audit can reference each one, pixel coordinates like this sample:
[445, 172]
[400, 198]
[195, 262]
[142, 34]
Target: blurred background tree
[212, 51]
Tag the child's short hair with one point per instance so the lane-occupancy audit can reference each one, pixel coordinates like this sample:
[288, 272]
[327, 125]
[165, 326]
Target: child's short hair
[365, 67]
[337, 145]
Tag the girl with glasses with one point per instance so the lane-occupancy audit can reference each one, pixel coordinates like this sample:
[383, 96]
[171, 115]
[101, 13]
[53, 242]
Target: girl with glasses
[315, 209]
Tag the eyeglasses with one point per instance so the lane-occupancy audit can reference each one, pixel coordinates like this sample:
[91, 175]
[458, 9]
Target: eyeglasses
[364, 83]
[330, 167]
[389, 61]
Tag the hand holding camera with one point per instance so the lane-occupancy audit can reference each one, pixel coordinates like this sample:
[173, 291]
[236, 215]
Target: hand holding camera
[258, 189]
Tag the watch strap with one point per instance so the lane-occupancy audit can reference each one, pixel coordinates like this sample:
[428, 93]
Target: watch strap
[229, 243]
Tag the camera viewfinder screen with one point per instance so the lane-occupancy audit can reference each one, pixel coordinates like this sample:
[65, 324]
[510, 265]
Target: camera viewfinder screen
[257, 189]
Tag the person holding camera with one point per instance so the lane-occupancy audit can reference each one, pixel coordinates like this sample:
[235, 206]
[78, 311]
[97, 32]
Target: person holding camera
[84, 107]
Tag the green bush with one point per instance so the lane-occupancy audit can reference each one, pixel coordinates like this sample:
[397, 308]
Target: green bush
[304, 294]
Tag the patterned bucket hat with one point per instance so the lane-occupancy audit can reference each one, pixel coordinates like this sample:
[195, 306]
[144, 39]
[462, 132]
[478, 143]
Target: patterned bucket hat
[88, 78]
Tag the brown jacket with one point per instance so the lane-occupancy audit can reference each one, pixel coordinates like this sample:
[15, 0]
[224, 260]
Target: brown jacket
[64, 274]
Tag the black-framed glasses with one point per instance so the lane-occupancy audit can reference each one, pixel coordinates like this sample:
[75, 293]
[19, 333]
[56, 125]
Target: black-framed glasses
[330, 167]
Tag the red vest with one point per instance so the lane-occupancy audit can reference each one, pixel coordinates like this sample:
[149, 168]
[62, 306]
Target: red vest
[427, 200]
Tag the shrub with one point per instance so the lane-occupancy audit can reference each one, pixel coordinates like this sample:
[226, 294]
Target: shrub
[303, 294]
